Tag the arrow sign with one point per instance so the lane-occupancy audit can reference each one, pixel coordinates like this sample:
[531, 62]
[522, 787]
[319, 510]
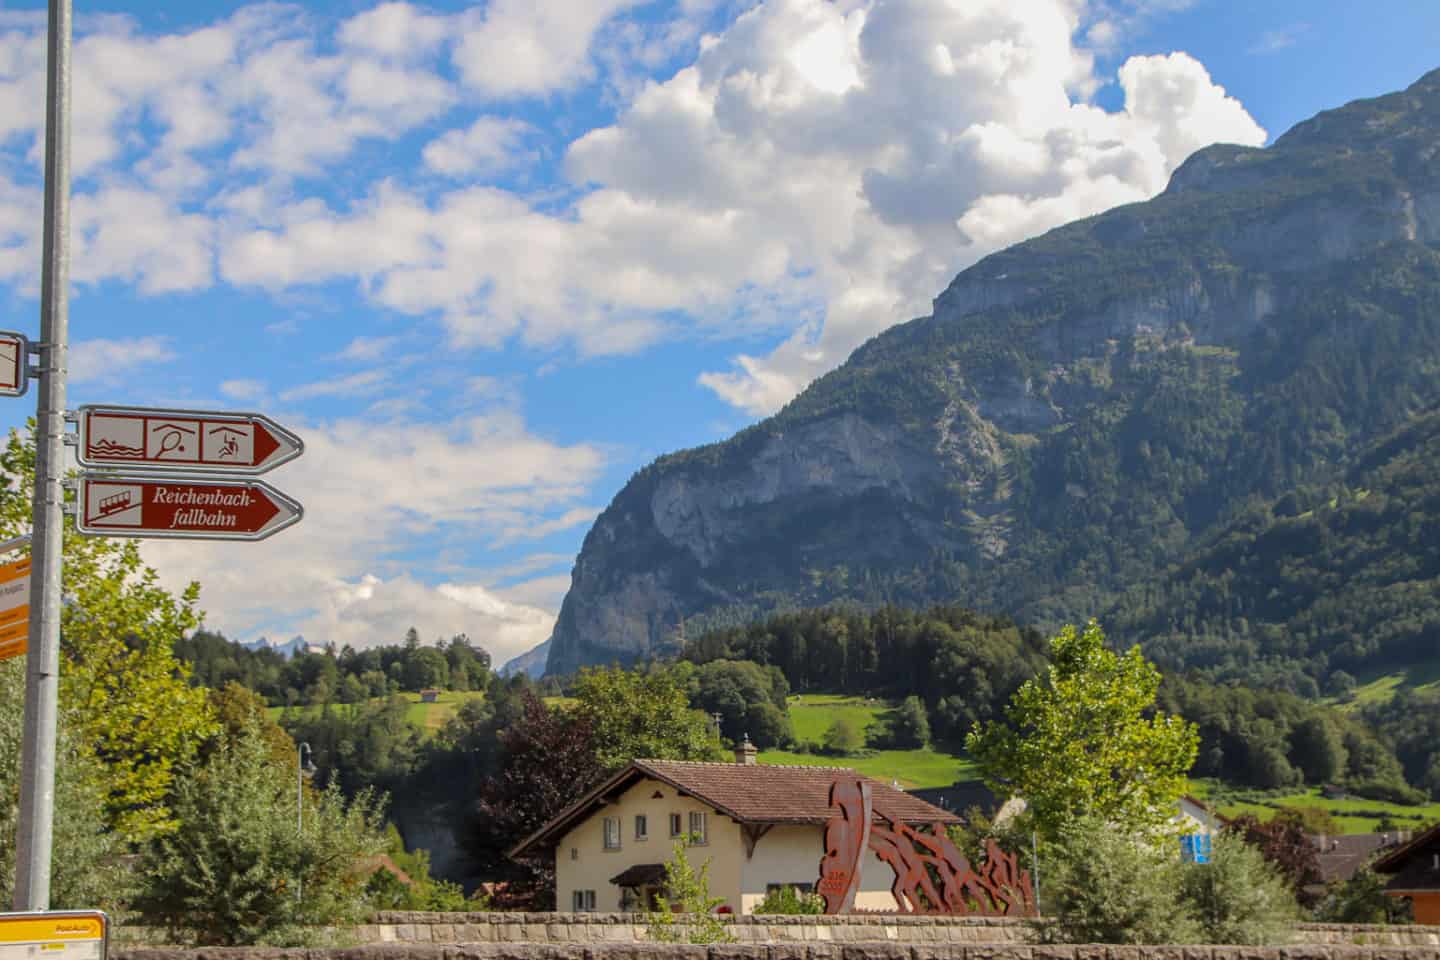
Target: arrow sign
[182, 508]
[212, 442]
[14, 364]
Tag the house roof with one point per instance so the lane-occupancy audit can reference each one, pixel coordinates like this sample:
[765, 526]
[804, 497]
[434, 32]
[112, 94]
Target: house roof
[1340, 857]
[746, 793]
[640, 875]
[1396, 860]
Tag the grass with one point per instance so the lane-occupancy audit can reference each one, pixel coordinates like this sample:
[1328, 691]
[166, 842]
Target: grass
[812, 714]
[1352, 814]
[912, 768]
[1380, 688]
[429, 717]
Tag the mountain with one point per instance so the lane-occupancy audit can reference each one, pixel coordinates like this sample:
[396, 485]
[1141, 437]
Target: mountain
[1077, 415]
[531, 662]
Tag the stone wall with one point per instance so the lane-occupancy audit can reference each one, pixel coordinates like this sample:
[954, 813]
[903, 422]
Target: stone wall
[860, 950]
[591, 929]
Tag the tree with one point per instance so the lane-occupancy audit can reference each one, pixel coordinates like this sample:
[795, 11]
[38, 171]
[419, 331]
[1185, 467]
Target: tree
[1238, 897]
[129, 699]
[842, 737]
[635, 714]
[1284, 842]
[909, 726]
[1079, 741]
[1317, 748]
[86, 871]
[548, 758]
[687, 892]
[1104, 885]
[237, 871]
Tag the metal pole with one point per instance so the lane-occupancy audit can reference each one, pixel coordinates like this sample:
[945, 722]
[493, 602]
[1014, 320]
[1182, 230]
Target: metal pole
[37, 763]
[1035, 865]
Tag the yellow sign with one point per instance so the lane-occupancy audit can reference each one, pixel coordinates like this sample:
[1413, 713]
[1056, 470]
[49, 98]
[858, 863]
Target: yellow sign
[14, 608]
[77, 935]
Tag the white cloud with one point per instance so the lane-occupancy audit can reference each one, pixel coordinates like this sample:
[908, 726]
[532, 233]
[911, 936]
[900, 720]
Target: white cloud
[488, 146]
[375, 494]
[243, 389]
[364, 383]
[1273, 41]
[538, 531]
[368, 348]
[526, 47]
[105, 361]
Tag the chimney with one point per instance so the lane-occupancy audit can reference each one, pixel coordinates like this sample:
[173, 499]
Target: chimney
[746, 752]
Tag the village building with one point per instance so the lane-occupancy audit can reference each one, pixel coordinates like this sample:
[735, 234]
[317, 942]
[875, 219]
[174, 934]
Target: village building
[760, 827]
[1414, 871]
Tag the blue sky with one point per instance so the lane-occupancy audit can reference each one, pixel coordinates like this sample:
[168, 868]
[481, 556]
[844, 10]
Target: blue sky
[490, 259]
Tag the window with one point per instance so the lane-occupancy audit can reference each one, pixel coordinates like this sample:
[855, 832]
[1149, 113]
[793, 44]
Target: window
[583, 901]
[642, 827]
[574, 853]
[677, 825]
[697, 826]
[612, 833]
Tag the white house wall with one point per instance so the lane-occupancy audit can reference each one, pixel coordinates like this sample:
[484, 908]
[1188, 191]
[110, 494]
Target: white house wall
[791, 854]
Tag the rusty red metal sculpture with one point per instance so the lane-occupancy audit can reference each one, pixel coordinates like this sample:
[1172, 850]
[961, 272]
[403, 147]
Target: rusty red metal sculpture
[931, 874]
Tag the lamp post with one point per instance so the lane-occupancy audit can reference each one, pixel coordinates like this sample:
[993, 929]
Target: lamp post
[304, 767]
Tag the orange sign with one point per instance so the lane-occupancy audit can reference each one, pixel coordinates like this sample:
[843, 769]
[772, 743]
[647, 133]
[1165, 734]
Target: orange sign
[78, 935]
[14, 608]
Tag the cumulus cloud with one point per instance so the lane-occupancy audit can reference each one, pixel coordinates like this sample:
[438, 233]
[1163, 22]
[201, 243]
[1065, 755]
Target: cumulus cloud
[373, 495]
[526, 47]
[487, 147]
[106, 361]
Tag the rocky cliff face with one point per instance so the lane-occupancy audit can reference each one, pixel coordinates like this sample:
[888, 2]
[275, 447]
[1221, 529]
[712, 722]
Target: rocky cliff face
[1075, 411]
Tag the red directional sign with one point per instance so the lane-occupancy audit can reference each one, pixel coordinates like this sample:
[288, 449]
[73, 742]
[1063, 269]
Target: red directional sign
[14, 364]
[148, 439]
[186, 508]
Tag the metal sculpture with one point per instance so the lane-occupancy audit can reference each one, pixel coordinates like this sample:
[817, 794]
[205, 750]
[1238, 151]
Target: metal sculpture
[931, 874]
[847, 835]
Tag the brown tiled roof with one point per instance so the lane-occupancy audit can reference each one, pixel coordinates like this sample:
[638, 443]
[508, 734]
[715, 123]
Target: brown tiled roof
[747, 793]
[1397, 860]
[762, 793]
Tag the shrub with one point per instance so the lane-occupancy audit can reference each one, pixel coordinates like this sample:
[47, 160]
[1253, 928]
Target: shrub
[1362, 899]
[1102, 885]
[1238, 897]
[237, 871]
[687, 892]
[789, 900]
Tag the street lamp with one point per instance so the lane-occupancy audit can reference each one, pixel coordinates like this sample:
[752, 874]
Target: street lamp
[304, 767]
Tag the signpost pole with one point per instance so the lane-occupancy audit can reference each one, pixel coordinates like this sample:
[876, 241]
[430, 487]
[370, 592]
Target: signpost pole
[37, 779]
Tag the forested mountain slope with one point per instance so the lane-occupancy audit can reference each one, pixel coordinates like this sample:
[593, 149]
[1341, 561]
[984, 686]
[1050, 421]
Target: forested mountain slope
[1080, 413]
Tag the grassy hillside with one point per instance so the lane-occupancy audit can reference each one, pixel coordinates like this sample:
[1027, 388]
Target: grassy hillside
[429, 717]
[1352, 814]
[812, 714]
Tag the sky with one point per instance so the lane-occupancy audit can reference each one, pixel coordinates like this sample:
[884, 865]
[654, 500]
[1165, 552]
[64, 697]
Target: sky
[488, 260]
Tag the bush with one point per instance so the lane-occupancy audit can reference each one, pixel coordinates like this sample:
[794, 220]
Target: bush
[842, 738]
[687, 892]
[1362, 899]
[1102, 885]
[1238, 897]
[236, 871]
[790, 901]
[1389, 791]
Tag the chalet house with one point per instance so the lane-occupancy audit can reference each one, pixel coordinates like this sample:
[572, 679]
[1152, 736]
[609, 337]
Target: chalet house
[1414, 871]
[759, 827]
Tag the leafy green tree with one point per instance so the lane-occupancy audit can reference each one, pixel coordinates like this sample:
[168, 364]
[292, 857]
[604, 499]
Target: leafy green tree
[908, 727]
[636, 714]
[1079, 741]
[750, 699]
[237, 870]
[1238, 897]
[128, 698]
[1362, 899]
[1318, 749]
[842, 737]
[86, 870]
